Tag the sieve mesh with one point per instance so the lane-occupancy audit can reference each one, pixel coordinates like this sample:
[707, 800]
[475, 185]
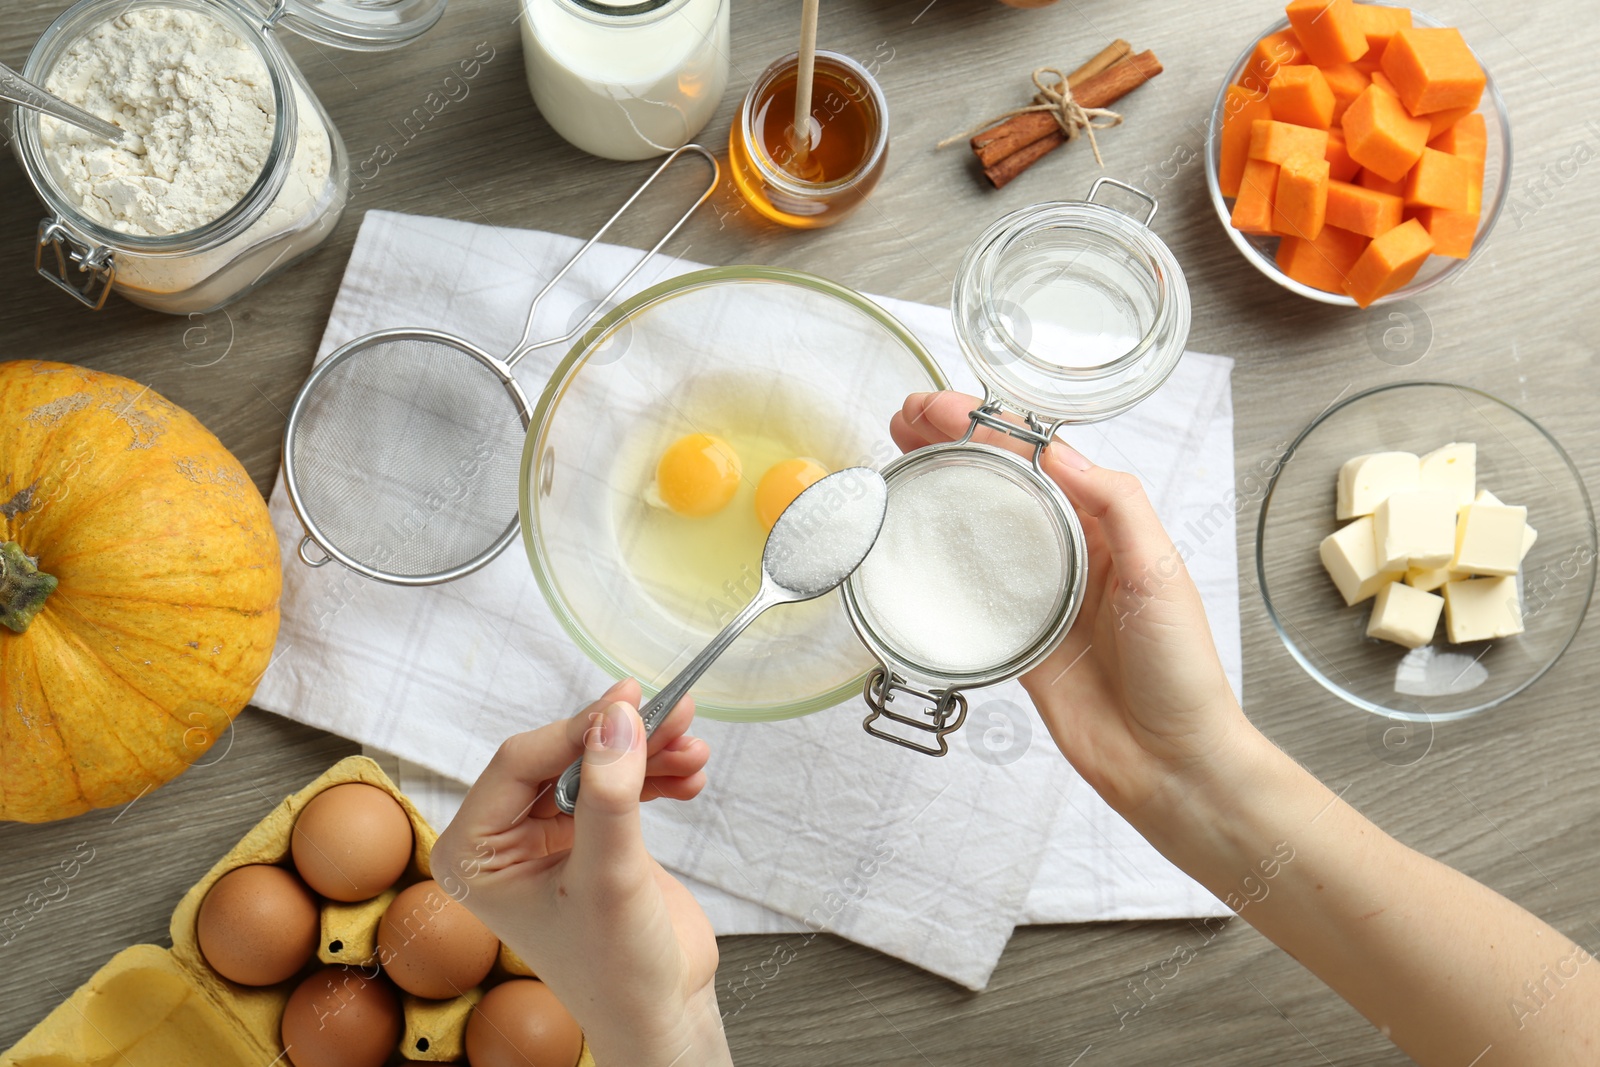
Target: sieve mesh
[406, 456]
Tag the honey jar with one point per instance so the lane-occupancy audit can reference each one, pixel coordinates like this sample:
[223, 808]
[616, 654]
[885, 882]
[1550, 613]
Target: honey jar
[845, 148]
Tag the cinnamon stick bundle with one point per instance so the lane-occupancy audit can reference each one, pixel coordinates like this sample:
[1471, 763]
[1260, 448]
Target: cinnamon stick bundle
[1011, 147]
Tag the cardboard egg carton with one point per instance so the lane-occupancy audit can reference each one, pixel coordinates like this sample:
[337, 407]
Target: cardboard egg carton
[155, 1007]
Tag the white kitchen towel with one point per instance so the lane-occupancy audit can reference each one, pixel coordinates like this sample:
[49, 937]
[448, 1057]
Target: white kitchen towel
[930, 860]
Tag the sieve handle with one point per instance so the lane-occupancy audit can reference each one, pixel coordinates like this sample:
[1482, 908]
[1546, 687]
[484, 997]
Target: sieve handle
[527, 345]
[305, 555]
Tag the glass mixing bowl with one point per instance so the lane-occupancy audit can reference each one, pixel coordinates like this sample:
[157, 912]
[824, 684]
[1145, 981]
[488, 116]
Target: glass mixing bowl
[1518, 461]
[1261, 250]
[730, 351]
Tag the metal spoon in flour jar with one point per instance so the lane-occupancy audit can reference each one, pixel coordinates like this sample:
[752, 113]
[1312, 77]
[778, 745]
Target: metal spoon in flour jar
[16, 89]
[816, 544]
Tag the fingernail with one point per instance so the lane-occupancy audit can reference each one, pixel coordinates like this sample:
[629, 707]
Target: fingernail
[617, 733]
[1070, 457]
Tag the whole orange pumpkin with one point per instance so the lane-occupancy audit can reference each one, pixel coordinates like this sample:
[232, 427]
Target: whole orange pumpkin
[139, 585]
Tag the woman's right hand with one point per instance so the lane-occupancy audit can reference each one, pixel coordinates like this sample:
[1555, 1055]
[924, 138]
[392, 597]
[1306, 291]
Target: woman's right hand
[1135, 696]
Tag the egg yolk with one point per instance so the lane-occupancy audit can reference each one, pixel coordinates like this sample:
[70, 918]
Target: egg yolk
[782, 483]
[697, 475]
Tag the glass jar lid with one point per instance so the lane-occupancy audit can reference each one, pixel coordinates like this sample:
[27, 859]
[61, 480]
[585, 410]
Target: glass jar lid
[1072, 310]
[355, 25]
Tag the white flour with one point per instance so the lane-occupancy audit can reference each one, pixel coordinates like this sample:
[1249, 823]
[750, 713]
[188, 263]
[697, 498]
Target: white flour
[199, 98]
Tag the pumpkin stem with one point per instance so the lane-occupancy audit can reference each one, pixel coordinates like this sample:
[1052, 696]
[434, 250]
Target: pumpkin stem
[23, 587]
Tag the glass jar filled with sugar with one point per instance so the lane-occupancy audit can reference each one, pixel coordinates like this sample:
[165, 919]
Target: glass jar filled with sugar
[233, 169]
[1068, 312]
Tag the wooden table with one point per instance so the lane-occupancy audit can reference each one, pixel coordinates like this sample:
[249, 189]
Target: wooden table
[1509, 797]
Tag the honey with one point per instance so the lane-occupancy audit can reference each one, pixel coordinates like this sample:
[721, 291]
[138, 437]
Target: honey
[846, 147]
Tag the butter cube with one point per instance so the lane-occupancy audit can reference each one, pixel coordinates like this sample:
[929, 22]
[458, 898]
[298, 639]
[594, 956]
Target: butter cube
[1415, 528]
[1452, 469]
[1430, 578]
[1366, 481]
[1480, 609]
[1350, 555]
[1489, 539]
[1529, 534]
[1404, 615]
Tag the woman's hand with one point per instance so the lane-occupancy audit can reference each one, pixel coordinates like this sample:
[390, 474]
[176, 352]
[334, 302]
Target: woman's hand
[1135, 696]
[619, 941]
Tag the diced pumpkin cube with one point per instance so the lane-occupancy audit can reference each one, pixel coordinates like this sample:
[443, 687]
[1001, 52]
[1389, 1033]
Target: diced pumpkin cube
[1300, 204]
[1381, 135]
[1252, 210]
[1274, 141]
[1440, 121]
[1340, 166]
[1346, 81]
[1329, 30]
[1240, 108]
[1300, 95]
[1381, 80]
[1452, 231]
[1362, 211]
[1439, 179]
[1433, 69]
[1272, 53]
[1323, 263]
[1379, 184]
[1389, 262]
[1468, 137]
[1380, 22]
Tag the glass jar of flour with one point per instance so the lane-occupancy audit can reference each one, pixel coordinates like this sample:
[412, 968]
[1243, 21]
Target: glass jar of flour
[626, 80]
[1068, 312]
[234, 170]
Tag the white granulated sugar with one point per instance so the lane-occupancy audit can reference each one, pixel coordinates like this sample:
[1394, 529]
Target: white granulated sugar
[196, 95]
[824, 534]
[967, 572]
[199, 99]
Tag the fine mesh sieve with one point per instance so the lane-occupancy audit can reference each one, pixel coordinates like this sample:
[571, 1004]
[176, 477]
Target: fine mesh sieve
[402, 450]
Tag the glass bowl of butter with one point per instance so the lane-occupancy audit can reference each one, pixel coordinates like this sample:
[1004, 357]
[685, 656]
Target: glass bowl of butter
[666, 443]
[1426, 551]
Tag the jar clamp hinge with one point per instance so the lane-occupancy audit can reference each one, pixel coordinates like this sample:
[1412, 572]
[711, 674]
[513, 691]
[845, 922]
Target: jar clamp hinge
[95, 261]
[1031, 430]
[946, 712]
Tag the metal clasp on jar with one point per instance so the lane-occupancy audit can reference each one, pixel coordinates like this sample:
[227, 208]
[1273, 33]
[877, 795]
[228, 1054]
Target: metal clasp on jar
[946, 711]
[1031, 431]
[96, 261]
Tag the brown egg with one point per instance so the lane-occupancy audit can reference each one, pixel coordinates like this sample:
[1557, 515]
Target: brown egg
[342, 1017]
[351, 842]
[520, 1023]
[257, 925]
[433, 946]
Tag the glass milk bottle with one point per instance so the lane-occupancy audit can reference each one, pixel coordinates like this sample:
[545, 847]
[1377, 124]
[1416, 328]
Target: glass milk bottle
[626, 80]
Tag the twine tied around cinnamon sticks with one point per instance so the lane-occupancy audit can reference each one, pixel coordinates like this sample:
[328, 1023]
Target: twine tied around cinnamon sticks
[1063, 109]
[1055, 99]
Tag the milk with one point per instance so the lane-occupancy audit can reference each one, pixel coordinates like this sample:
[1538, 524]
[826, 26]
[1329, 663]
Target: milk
[626, 81]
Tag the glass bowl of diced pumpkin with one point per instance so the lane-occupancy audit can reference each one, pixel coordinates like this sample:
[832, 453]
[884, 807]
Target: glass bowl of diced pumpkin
[1358, 153]
[1426, 551]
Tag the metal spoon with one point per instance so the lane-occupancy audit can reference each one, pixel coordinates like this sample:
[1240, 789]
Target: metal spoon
[19, 90]
[816, 544]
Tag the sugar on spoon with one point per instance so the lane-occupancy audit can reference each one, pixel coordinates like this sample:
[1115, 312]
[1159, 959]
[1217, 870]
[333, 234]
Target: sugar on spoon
[19, 90]
[816, 544]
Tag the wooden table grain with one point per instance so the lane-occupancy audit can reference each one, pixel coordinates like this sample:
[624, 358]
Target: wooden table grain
[1510, 797]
